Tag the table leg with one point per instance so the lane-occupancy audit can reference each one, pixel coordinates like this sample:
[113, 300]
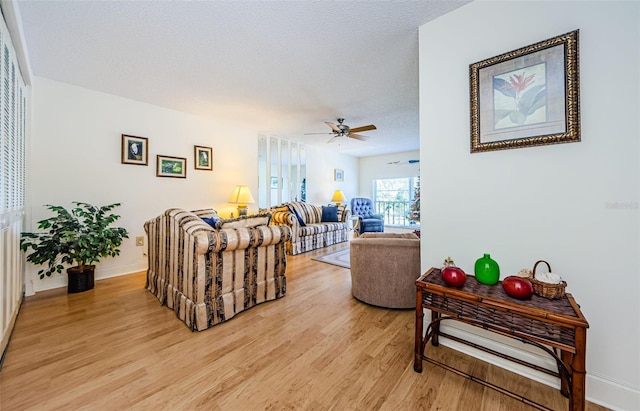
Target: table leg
[435, 328]
[578, 371]
[418, 352]
[567, 359]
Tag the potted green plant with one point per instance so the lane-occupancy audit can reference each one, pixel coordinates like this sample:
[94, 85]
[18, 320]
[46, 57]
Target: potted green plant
[81, 236]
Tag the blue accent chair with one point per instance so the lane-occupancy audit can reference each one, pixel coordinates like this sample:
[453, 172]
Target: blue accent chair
[368, 221]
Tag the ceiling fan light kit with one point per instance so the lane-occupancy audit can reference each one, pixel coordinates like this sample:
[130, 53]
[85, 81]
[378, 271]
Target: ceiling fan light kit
[342, 130]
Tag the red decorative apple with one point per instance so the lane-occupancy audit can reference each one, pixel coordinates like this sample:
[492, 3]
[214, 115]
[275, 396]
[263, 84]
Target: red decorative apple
[453, 276]
[518, 287]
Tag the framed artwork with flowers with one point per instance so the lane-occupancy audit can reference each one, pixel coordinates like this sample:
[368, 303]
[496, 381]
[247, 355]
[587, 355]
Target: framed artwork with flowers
[527, 97]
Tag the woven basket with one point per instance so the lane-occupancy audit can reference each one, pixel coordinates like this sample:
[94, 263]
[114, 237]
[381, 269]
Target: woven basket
[552, 291]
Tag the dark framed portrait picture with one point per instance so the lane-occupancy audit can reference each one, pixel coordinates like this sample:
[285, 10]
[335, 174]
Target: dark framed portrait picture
[135, 150]
[526, 97]
[203, 158]
[167, 166]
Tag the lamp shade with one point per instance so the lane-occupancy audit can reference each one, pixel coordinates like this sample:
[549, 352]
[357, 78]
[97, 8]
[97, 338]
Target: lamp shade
[241, 195]
[338, 196]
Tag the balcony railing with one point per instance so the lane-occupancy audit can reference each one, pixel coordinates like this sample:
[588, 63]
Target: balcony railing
[396, 213]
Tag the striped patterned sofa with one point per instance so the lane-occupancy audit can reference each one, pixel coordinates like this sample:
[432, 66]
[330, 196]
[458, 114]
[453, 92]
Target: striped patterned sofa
[308, 231]
[208, 275]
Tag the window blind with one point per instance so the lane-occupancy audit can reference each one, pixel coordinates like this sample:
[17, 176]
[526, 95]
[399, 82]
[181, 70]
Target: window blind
[13, 108]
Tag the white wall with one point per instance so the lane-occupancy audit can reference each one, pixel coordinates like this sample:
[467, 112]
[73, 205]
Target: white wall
[377, 167]
[574, 205]
[75, 156]
[320, 182]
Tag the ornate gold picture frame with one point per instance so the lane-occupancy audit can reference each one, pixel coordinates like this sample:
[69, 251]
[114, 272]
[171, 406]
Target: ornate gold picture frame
[527, 97]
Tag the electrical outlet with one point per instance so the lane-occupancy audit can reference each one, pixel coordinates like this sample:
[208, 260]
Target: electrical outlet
[139, 241]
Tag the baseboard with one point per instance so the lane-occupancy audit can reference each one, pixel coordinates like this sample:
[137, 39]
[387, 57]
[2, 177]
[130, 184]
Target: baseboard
[612, 394]
[59, 281]
[599, 390]
[505, 345]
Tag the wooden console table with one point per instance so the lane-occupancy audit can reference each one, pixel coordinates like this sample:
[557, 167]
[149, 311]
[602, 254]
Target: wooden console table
[551, 325]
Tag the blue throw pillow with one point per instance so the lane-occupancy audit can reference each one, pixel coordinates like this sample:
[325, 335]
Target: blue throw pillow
[211, 221]
[329, 214]
[300, 220]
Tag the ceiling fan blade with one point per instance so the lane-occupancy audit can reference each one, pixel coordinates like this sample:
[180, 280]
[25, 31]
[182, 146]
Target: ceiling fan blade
[363, 128]
[358, 137]
[312, 134]
[332, 139]
[333, 126]
[398, 162]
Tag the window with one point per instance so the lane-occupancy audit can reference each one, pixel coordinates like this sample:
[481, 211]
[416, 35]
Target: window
[395, 198]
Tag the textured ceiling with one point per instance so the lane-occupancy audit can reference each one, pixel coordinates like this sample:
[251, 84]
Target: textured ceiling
[278, 67]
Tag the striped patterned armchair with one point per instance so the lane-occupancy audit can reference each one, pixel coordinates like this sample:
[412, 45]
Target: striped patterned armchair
[209, 274]
[309, 230]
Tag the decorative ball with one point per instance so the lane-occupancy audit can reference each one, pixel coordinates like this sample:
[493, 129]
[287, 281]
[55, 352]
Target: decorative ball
[517, 287]
[454, 276]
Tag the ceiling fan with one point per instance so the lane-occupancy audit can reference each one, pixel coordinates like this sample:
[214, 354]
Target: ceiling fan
[342, 130]
[402, 163]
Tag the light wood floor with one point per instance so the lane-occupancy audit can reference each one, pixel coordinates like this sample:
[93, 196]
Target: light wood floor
[116, 348]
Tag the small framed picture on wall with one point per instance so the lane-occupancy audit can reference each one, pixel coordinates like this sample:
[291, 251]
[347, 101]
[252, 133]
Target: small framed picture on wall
[134, 150]
[203, 158]
[167, 166]
[338, 175]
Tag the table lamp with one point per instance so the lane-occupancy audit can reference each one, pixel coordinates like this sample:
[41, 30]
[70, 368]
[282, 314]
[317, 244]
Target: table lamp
[338, 197]
[242, 196]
